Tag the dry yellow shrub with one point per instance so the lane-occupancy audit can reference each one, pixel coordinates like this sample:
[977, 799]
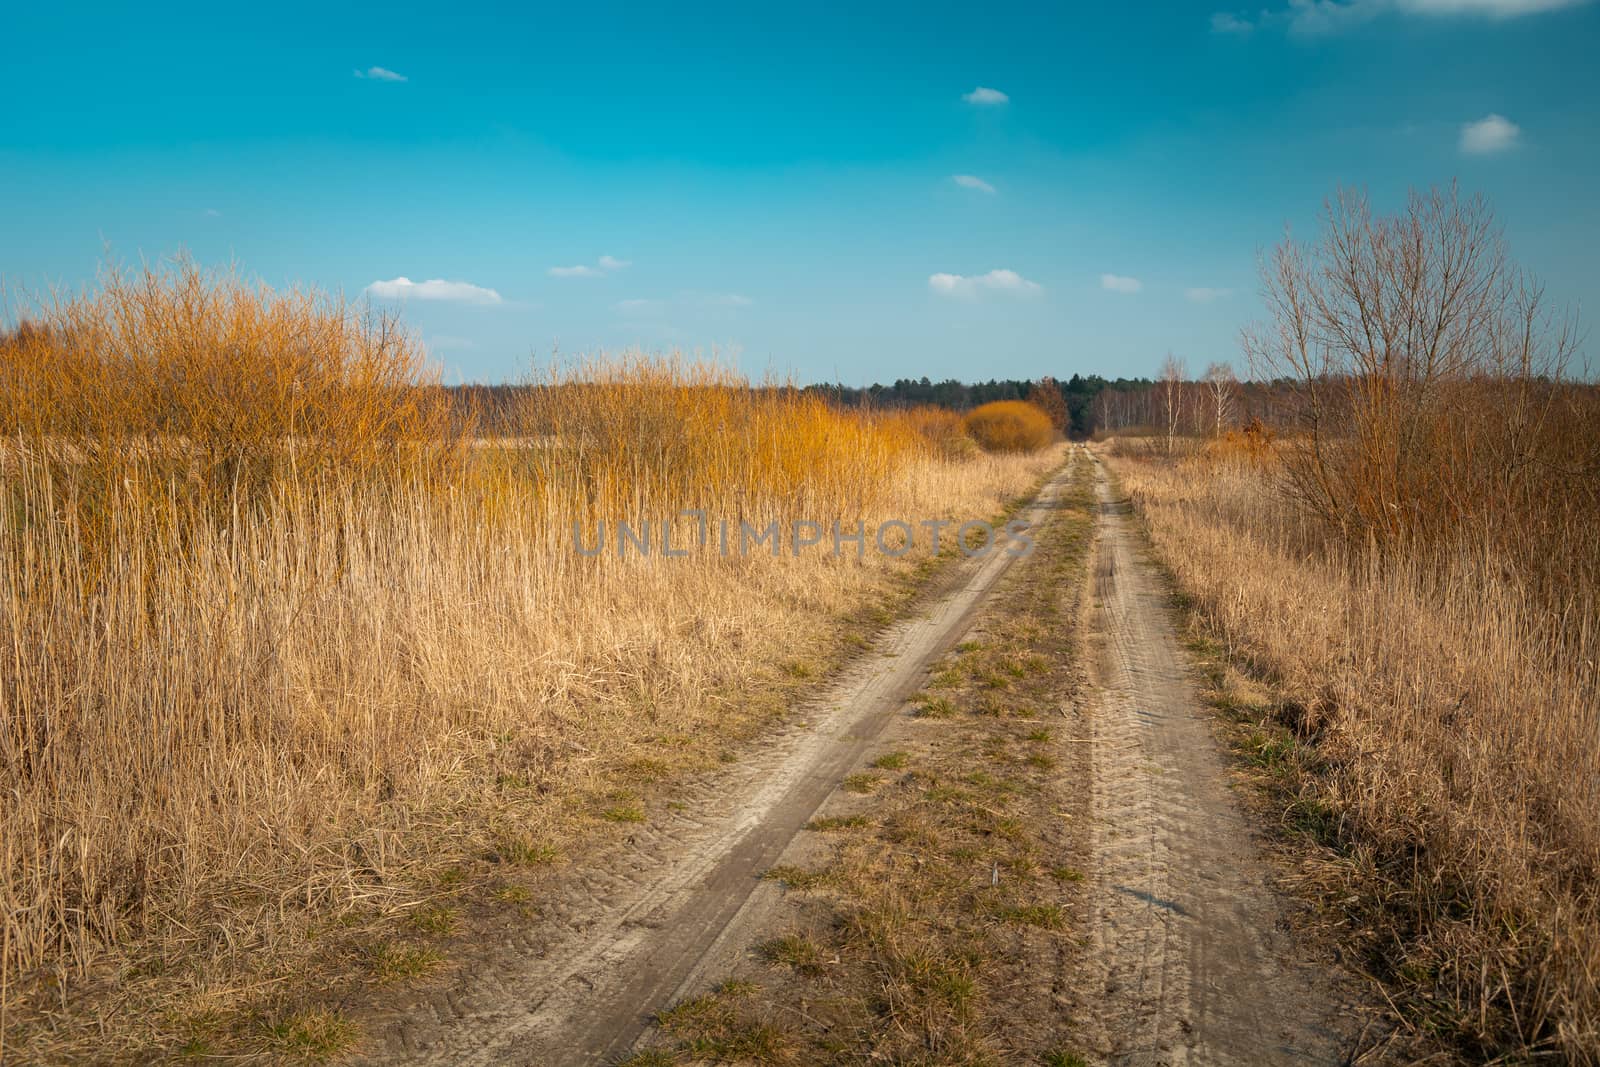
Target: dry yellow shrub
[1010, 426]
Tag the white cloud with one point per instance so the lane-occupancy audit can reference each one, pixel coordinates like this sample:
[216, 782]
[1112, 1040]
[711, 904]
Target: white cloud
[434, 289]
[689, 298]
[1203, 294]
[967, 286]
[985, 96]
[1227, 22]
[381, 74]
[1315, 18]
[1490, 134]
[720, 300]
[213, 213]
[1119, 283]
[606, 264]
[1503, 9]
[972, 181]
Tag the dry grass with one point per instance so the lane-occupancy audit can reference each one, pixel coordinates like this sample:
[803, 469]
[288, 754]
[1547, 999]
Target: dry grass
[278, 640]
[1454, 708]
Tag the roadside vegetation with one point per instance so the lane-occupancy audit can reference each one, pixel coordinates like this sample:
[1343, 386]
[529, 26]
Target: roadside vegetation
[289, 640]
[1400, 584]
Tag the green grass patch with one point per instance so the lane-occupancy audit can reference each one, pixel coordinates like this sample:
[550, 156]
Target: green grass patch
[391, 961]
[794, 950]
[316, 1034]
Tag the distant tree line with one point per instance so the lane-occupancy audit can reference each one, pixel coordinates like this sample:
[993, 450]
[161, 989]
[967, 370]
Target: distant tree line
[1080, 405]
[1077, 393]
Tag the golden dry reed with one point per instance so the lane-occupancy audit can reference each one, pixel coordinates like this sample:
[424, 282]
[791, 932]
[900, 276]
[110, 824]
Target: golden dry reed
[276, 623]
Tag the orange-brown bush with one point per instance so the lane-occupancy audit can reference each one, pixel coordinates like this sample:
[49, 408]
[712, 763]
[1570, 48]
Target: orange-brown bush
[1045, 394]
[1252, 443]
[276, 634]
[1009, 426]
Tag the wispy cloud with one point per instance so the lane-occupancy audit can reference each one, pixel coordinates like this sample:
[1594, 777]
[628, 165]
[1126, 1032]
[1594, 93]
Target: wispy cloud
[403, 288]
[972, 181]
[1120, 283]
[985, 96]
[690, 299]
[381, 74]
[718, 300]
[213, 213]
[1502, 9]
[1203, 294]
[1316, 18]
[1228, 22]
[444, 342]
[967, 286]
[603, 265]
[1490, 134]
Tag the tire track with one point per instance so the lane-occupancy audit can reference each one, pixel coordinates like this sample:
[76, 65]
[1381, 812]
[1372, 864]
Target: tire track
[1190, 964]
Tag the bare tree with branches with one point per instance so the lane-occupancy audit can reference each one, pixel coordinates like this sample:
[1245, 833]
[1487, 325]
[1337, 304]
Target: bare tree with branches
[1221, 386]
[1423, 360]
[1173, 373]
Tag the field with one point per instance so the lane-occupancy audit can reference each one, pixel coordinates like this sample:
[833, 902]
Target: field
[286, 638]
[640, 713]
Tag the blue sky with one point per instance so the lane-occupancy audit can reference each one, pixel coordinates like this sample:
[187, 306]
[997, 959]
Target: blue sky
[781, 183]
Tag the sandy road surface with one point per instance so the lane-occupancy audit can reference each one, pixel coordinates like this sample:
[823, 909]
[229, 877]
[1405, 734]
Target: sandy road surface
[1188, 961]
[632, 937]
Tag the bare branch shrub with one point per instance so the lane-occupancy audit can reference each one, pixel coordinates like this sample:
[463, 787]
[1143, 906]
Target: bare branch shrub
[1424, 361]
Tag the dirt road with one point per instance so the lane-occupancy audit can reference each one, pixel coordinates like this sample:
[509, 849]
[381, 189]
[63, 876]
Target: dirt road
[1188, 957]
[1184, 959]
[634, 934]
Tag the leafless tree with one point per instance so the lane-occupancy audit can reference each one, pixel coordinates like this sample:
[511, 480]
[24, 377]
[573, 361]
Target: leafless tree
[1221, 386]
[1173, 373]
[1392, 330]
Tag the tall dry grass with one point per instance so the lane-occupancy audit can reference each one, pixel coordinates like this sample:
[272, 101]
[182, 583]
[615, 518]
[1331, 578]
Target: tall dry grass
[1455, 712]
[278, 629]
